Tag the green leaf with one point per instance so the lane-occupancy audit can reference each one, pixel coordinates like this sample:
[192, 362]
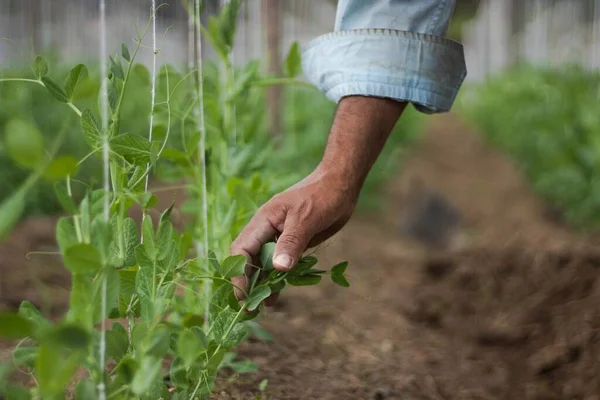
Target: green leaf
[39, 67]
[159, 341]
[116, 68]
[133, 148]
[340, 279]
[144, 282]
[90, 128]
[190, 345]
[146, 375]
[117, 342]
[293, 62]
[127, 369]
[67, 336]
[15, 326]
[257, 296]
[55, 90]
[54, 372]
[82, 258]
[76, 76]
[25, 355]
[64, 199]
[127, 238]
[66, 235]
[112, 292]
[86, 390]
[164, 239]
[233, 266]
[243, 367]
[305, 264]
[24, 143]
[102, 237]
[165, 215]
[148, 236]
[29, 311]
[339, 268]
[125, 52]
[11, 210]
[303, 280]
[61, 167]
[127, 285]
[266, 256]
[148, 200]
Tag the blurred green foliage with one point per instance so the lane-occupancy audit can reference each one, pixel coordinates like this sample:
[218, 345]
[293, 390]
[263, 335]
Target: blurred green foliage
[548, 120]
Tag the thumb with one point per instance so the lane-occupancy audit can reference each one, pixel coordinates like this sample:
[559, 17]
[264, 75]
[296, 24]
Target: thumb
[291, 244]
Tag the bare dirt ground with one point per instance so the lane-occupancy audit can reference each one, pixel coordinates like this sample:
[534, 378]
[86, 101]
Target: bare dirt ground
[508, 311]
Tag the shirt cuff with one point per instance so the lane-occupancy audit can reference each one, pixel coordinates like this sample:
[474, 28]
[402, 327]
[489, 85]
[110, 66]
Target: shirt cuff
[422, 69]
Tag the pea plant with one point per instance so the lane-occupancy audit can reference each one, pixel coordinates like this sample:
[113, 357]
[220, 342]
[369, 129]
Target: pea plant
[173, 318]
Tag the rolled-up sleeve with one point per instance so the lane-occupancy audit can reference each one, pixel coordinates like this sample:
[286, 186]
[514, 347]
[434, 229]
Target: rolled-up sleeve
[389, 48]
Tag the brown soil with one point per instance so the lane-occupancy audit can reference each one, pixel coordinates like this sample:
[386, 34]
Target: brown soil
[507, 311]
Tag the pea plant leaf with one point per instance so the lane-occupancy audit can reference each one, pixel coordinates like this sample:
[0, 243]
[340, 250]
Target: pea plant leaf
[76, 76]
[189, 346]
[24, 143]
[29, 311]
[25, 355]
[90, 128]
[116, 68]
[65, 200]
[256, 296]
[148, 235]
[66, 336]
[82, 258]
[15, 326]
[125, 52]
[11, 210]
[340, 279]
[122, 249]
[55, 90]
[339, 268]
[39, 67]
[293, 61]
[61, 167]
[66, 235]
[133, 148]
[145, 376]
[266, 256]
[54, 372]
[117, 342]
[303, 280]
[233, 266]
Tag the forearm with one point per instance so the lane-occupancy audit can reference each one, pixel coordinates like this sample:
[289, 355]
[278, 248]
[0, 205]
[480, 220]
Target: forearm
[360, 129]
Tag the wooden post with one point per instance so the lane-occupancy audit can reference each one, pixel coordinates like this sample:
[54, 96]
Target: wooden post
[272, 17]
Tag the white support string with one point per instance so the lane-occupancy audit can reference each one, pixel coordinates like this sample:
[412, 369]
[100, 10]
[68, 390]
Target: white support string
[106, 178]
[202, 247]
[152, 92]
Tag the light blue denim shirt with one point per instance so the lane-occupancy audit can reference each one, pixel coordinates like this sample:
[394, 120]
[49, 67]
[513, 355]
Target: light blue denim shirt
[389, 48]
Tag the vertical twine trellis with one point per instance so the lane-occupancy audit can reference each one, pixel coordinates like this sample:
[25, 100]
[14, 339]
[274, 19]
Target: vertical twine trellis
[106, 181]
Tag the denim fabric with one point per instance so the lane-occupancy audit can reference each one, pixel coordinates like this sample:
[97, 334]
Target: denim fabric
[389, 48]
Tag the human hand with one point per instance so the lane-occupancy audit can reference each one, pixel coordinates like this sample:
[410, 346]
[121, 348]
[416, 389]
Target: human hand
[303, 216]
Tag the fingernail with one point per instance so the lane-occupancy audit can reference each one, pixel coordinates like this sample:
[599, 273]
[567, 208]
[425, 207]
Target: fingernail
[283, 260]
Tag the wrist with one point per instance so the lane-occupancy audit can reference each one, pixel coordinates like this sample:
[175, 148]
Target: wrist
[344, 177]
